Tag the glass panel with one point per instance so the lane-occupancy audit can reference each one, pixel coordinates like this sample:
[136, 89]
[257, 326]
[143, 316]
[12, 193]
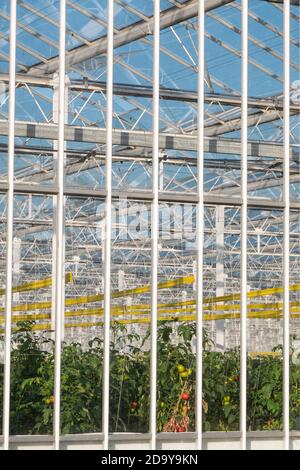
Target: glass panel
[130, 315]
[32, 359]
[294, 322]
[176, 315]
[81, 376]
[221, 361]
[265, 334]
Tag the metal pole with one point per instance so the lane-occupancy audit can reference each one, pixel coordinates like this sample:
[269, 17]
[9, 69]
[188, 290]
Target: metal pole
[155, 223]
[59, 226]
[55, 113]
[200, 220]
[10, 216]
[108, 209]
[220, 280]
[244, 207]
[286, 221]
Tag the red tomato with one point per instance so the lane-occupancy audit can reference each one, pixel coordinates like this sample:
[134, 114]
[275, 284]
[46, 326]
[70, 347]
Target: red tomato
[185, 396]
[134, 405]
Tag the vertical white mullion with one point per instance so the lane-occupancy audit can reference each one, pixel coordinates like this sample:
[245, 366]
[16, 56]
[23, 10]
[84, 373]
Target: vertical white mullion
[200, 220]
[244, 207]
[55, 114]
[9, 219]
[108, 209]
[286, 221]
[155, 223]
[59, 226]
[220, 324]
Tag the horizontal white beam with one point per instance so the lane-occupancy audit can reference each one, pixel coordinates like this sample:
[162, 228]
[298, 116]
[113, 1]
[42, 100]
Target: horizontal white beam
[122, 89]
[267, 440]
[147, 196]
[142, 139]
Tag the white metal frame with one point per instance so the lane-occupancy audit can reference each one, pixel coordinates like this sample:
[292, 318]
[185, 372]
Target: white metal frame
[108, 209]
[155, 221]
[10, 221]
[59, 227]
[244, 210]
[286, 224]
[200, 220]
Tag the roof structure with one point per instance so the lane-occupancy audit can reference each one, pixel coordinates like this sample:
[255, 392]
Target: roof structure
[36, 131]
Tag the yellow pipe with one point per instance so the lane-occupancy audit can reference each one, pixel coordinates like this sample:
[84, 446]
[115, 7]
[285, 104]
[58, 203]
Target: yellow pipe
[145, 310]
[99, 297]
[207, 317]
[252, 294]
[47, 326]
[34, 285]
[162, 285]
[265, 353]
[143, 289]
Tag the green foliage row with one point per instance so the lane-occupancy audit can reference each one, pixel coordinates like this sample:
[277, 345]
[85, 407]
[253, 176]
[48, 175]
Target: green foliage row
[32, 375]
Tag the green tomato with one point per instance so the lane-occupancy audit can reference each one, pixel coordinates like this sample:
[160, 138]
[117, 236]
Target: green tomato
[184, 374]
[162, 404]
[180, 368]
[226, 400]
[189, 371]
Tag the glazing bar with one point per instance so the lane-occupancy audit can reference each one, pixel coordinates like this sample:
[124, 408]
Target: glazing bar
[108, 209]
[155, 222]
[10, 219]
[286, 221]
[59, 226]
[244, 208]
[200, 220]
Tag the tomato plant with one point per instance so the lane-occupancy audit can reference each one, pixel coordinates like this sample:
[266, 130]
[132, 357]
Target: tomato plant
[32, 384]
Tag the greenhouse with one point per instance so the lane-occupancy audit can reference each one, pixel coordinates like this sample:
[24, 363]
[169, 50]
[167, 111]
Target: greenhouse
[150, 224]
